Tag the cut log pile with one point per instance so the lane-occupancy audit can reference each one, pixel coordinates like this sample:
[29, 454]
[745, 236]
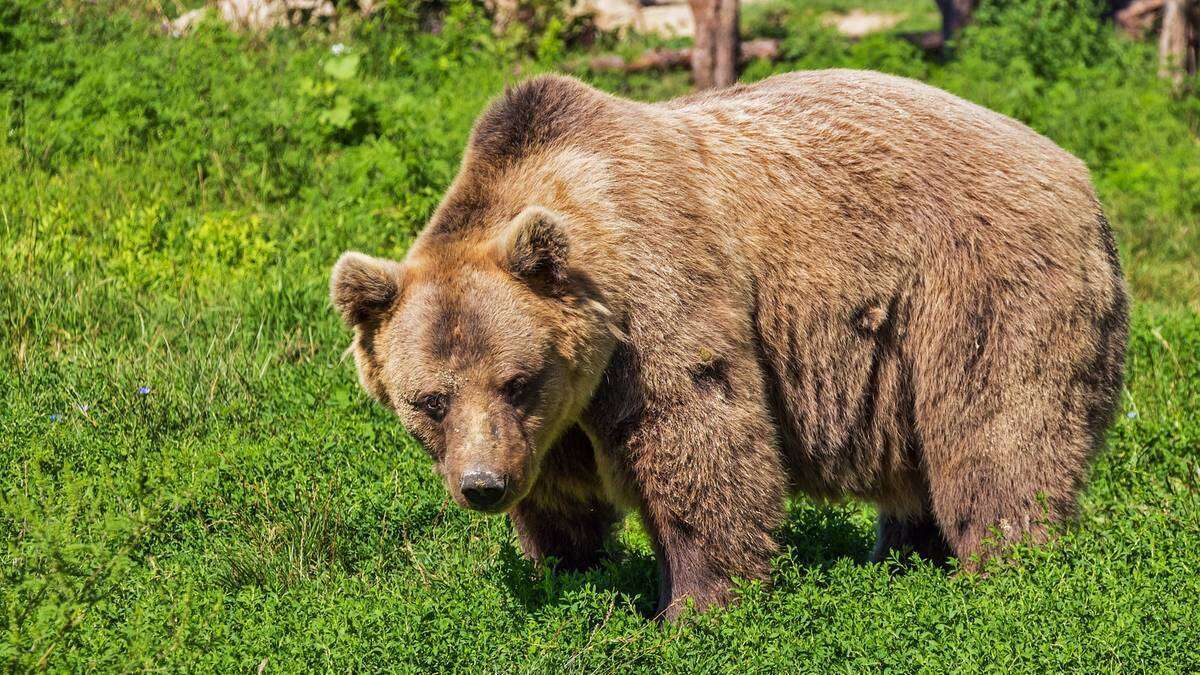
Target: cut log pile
[259, 16]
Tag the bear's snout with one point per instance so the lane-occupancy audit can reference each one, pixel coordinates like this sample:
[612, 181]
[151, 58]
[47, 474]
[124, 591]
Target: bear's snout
[483, 489]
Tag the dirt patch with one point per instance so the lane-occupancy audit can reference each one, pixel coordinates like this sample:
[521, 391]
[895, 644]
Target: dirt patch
[857, 22]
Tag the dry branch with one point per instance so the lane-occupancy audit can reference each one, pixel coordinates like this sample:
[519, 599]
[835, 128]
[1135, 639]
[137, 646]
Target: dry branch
[664, 59]
[1138, 17]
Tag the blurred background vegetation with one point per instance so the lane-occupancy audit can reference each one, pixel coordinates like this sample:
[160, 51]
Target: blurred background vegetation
[364, 115]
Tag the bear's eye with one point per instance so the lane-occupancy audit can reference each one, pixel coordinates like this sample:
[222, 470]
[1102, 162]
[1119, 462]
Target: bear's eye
[516, 388]
[433, 405]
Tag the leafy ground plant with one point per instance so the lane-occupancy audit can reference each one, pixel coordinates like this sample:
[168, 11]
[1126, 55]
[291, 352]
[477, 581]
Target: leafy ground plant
[190, 478]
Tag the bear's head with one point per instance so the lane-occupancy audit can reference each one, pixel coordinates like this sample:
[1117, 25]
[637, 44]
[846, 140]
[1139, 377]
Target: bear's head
[487, 347]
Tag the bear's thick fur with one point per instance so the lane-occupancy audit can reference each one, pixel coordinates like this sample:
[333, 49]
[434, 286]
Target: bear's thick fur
[838, 283]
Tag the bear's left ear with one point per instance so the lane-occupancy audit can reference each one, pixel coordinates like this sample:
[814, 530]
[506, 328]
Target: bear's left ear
[535, 249]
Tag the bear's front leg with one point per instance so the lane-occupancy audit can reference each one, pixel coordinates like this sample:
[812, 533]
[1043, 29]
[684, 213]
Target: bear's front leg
[566, 516]
[709, 478]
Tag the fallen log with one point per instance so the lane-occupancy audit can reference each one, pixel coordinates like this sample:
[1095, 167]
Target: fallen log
[929, 41]
[665, 59]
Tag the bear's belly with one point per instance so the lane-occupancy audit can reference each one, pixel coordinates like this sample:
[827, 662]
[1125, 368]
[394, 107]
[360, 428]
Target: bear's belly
[842, 399]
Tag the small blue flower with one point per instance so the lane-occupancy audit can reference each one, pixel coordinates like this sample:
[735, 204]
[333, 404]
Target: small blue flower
[1132, 414]
[55, 417]
[143, 391]
[338, 49]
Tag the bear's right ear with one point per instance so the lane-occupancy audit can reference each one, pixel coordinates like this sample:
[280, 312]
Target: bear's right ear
[363, 287]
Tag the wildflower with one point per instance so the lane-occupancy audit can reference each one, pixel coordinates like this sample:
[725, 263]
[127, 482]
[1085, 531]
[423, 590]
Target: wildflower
[338, 49]
[143, 390]
[1132, 414]
[83, 407]
[55, 417]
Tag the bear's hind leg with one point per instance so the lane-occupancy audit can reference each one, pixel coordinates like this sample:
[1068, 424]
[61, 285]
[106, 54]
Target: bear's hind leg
[1007, 481]
[982, 508]
[1011, 398]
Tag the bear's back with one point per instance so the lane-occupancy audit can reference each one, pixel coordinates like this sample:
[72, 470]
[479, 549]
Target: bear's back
[860, 166]
[871, 103]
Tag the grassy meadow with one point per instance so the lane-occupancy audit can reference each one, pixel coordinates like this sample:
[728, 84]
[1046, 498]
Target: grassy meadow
[191, 479]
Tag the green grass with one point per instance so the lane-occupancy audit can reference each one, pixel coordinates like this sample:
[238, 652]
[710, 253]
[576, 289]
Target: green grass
[169, 224]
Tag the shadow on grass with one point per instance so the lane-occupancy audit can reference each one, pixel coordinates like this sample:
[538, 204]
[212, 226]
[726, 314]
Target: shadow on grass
[631, 574]
[812, 537]
[820, 536]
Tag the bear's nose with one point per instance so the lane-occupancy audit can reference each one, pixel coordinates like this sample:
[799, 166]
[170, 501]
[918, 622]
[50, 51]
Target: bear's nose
[482, 489]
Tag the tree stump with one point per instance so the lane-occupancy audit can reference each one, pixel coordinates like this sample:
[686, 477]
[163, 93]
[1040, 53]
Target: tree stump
[715, 52]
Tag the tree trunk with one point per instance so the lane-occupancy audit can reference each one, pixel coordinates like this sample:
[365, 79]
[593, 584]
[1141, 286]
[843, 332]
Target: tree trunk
[955, 15]
[704, 14]
[715, 50]
[725, 69]
[1194, 52]
[1174, 42]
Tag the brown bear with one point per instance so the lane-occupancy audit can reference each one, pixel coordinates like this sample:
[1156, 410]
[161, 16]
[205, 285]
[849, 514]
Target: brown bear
[837, 283]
